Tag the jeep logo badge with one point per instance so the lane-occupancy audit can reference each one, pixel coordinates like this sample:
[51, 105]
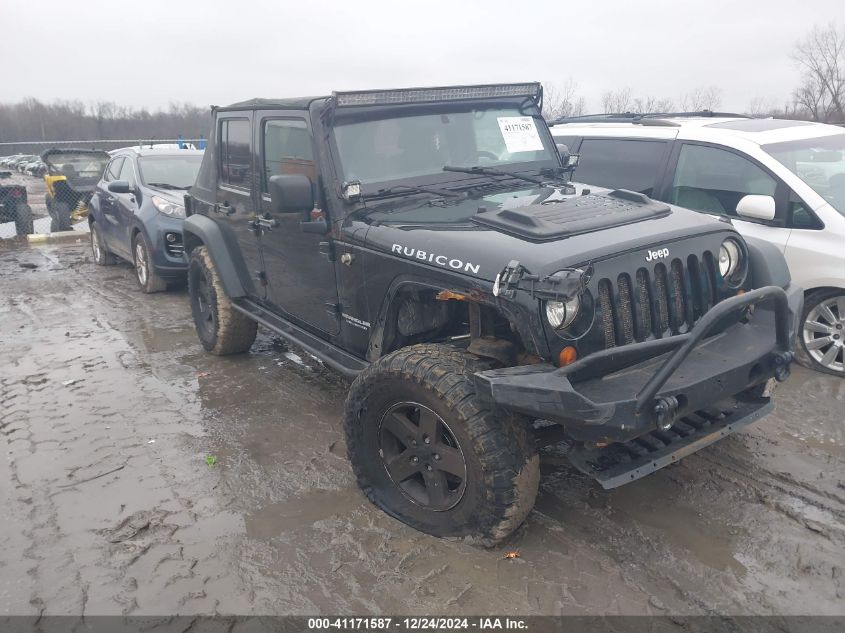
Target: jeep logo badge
[658, 254]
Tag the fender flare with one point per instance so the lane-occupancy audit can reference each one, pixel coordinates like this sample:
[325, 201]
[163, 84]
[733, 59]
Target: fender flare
[200, 230]
[767, 264]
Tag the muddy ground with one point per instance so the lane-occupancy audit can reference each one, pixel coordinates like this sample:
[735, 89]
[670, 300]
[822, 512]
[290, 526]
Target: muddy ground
[110, 409]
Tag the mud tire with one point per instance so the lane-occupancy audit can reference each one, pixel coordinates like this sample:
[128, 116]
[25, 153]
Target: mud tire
[227, 331]
[23, 220]
[502, 465]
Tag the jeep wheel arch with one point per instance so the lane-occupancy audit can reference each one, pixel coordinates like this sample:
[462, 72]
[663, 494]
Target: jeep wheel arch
[383, 336]
[199, 230]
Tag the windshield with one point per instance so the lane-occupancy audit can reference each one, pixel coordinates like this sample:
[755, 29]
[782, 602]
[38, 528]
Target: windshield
[820, 162]
[176, 172]
[410, 146]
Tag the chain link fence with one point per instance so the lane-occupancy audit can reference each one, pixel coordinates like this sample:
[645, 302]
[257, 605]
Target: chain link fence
[26, 182]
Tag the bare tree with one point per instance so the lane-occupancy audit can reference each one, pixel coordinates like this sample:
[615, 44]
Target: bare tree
[702, 98]
[821, 55]
[562, 100]
[617, 101]
[652, 105]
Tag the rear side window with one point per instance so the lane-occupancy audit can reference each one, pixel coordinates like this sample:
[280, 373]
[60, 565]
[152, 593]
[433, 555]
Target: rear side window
[235, 155]
[287, 150]
[620, 164]
[714, 180]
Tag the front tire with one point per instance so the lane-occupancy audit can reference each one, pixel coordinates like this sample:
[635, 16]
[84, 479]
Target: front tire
[102, 257]
[23, 220]
[222, 330]
[823, 332]
[425, 451]
[145, 273]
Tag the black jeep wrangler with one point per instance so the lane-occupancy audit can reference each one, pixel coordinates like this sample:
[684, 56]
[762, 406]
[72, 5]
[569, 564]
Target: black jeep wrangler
[428, 244]
[14, 206]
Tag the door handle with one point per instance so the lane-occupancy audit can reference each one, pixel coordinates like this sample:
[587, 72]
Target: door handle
[225, 208]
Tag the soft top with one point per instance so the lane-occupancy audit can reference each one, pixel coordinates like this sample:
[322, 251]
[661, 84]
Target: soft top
[292, 103]
[576, 215]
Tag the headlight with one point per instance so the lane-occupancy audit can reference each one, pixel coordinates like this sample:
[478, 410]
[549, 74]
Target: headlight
[561, 314]
[168, 208]
[730, 258]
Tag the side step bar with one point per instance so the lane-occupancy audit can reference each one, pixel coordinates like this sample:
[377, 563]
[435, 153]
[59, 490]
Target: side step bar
[334, 357]
[620, 464]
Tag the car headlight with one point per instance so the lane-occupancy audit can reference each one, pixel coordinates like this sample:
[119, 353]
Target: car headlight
[168, 208]
[561, 314]
[730, 258]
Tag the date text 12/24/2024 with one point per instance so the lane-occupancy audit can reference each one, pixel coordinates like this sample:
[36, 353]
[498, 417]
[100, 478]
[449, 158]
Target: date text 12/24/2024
[420, 623]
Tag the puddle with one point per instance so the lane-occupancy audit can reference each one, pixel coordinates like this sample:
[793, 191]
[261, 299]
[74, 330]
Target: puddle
[284, 516]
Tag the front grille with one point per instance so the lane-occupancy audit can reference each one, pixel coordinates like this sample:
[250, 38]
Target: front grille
[656, 302]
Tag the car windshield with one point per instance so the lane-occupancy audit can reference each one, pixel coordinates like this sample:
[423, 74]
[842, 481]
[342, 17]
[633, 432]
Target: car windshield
[396, 148]
[170, 172]
[820, 162]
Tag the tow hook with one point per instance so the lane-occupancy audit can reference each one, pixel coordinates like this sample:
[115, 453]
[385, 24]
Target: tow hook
[782, 361]
[665, 411]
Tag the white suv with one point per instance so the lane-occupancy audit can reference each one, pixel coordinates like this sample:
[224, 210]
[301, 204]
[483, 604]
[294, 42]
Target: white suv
[779, 180]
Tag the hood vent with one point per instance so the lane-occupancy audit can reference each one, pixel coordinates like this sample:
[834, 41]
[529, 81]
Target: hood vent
[574, 216]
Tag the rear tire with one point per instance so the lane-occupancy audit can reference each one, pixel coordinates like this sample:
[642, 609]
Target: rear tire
[23, 220]
[485, 466]
[222, 330]
[60, 217]
[821, 332]
[145, 273]
[102, 257]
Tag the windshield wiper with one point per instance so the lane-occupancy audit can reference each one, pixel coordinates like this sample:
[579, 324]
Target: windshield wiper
[412, 189]
[165, 185]
[492, 171]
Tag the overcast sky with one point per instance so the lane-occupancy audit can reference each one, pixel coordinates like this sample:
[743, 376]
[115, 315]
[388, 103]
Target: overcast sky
[153, 52]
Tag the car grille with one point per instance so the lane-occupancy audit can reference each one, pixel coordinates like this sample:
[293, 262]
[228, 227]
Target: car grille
[657, 301]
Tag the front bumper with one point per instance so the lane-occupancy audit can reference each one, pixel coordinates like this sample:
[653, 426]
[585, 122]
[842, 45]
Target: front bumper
[648, 386]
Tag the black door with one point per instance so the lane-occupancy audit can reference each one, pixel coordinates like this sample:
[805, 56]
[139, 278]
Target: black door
[126, 205]
[235, 204]
[108, 207]
[300, 275]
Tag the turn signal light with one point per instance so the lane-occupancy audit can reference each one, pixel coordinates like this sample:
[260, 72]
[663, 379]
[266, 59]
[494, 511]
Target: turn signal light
[568, 355]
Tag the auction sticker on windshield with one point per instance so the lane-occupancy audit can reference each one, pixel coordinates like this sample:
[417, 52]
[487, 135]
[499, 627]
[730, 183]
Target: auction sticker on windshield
[520, 134]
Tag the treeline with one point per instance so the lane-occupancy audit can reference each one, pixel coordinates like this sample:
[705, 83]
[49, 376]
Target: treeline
[32, 120]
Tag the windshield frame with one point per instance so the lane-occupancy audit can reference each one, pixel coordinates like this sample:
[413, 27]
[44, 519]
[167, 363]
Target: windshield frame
[524, 105]
[807, 143]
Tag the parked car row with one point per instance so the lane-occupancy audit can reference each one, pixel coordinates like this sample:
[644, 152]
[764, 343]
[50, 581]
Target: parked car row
[431, 245]
[782, 181]
[24, 164]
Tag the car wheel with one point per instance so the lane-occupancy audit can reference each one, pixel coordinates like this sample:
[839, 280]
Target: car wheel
[60, 217]
[102, 257]
[822, 332]
[425, 451]
[145, 273]
[23, 220]
[222, 330]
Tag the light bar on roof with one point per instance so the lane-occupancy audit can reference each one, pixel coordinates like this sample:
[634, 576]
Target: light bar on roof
[425, 95]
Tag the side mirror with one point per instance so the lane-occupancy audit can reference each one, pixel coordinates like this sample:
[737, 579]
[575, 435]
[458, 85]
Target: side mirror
[291, 193]
[119, 186]
[568, 160]
[756, 207]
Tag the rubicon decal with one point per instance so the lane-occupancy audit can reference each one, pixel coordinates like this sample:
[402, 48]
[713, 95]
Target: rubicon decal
[434, 258]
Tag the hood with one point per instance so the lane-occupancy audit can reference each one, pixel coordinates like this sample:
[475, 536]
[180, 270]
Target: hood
[515, 229]
[176, 196]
